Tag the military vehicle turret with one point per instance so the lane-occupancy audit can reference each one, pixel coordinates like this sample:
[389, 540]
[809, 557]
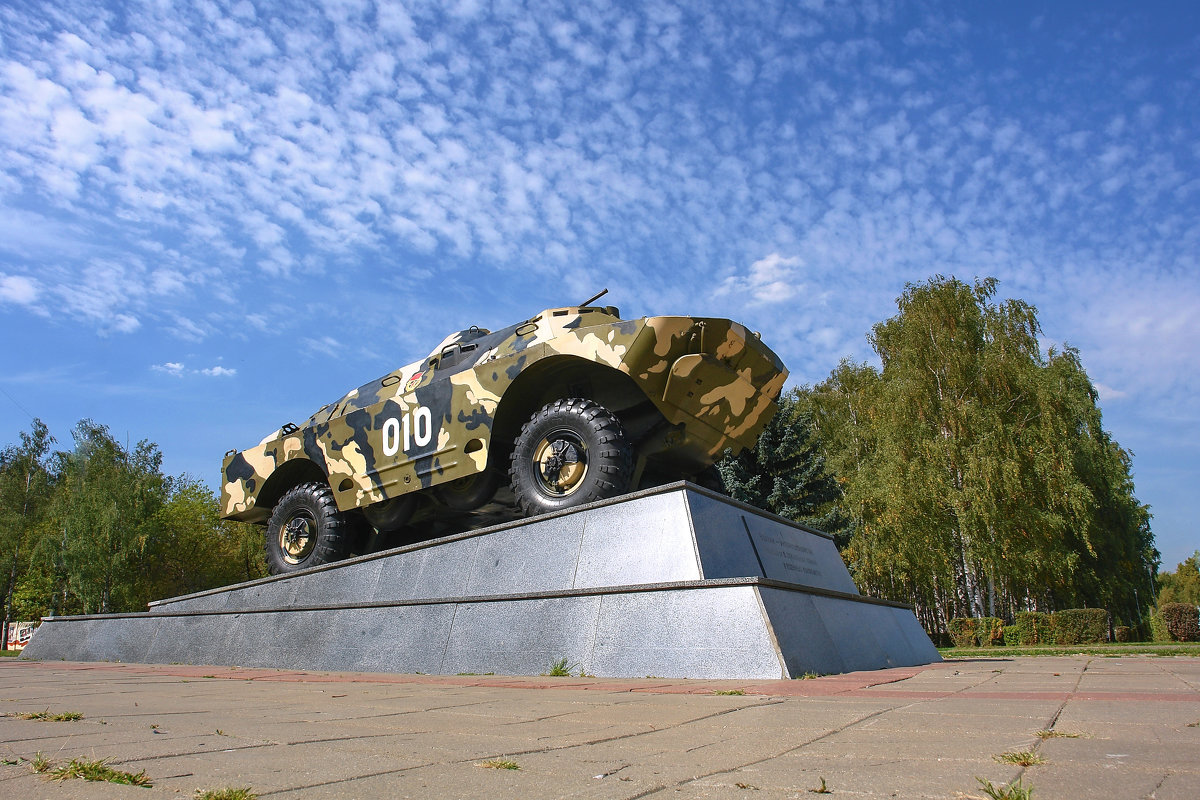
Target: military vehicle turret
[569, 406]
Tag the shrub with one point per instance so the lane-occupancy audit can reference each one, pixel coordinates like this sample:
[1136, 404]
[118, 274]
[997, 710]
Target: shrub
[1032, 627]
[963, 630]
[990, 632]
[1012, 636]
[1123, 633]
[1080, 626]
[1158, 628]
[1181, 621]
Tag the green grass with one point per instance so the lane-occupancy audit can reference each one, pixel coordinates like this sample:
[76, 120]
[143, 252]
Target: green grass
[225, 794]
[500, 763]
[1022, 758]
[10, 653]
[1110, 649]
[736, 692]
[46, 716]
[559, 669]
[89, 771]
[1014, 791]
[822, 789]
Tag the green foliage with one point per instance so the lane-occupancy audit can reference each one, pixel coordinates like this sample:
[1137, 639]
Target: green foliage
[1013, 791]
[964, 632]
[785, 473]
[559, 669]
[239, 793]
[1079, 626]
[1032, 627]
[1158, 628]
[976, 475]
[1182, 585]
[990, 632]
[1012, 636]
[26, 484]
[1180, 622]
[1122, 633]
[94, 770]
[100, 528]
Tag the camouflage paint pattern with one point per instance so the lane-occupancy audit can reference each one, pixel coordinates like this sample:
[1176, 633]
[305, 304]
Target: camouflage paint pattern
[431, 421]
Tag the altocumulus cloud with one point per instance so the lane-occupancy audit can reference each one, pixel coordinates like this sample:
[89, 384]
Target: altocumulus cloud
[310, 176]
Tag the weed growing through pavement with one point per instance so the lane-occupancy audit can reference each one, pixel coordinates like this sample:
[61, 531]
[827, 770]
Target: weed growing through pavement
[559, 669]
[808, 675]
[500, 763]
[746, 786]
[1057, 735]
[226, 794]
[66, 716]
[89, 771]
[1022, 758]
[1014, 791]
[737, 692]
[822, 789]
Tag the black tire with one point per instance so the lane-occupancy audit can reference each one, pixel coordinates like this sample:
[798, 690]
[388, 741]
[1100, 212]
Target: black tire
[469, 493]
[306, 529]
[570, 453]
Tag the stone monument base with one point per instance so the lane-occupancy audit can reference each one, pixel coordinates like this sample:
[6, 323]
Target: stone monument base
[671, 582]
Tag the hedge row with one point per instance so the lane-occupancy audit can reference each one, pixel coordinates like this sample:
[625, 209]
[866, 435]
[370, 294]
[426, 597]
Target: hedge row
[1071, 626]
[1176, 622]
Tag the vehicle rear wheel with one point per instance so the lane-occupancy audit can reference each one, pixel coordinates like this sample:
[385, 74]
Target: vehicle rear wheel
[469, 493]
[570, 453]
[306, 529]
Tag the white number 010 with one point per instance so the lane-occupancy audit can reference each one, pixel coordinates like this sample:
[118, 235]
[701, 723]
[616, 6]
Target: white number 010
[415, 427]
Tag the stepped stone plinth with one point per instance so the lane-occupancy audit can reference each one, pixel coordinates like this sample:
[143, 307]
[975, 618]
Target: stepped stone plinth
[673, 582]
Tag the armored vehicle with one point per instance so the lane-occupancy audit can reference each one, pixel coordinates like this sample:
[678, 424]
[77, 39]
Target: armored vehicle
[569, 406]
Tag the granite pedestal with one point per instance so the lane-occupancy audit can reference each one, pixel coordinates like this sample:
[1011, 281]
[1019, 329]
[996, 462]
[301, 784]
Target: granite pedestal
[672, 582]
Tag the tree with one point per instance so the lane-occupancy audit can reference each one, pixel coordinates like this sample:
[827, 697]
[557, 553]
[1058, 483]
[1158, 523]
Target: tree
[103, 512]
[1182, 585]
[974, 468]
[784, 473]
[25, 487]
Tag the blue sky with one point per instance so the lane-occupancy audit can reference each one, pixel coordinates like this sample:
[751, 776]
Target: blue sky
[218, 216]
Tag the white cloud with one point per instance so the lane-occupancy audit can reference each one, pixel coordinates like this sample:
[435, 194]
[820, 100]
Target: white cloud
[772, 279]
[173, 368]
[219, 372]
[18, 289]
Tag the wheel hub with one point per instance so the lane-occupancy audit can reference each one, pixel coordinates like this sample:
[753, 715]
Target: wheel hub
[561, 465]
[297, 538]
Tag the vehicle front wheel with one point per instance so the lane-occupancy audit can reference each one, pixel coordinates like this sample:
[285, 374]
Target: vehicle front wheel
[570, 453]
[306, 529]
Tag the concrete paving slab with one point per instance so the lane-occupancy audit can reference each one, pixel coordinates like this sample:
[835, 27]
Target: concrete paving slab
[917, 732]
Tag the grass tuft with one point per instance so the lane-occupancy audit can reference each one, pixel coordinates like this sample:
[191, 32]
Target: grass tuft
[746, 786]
[1014, 791]
[1022, 758]
[809, 676]
[92, 771]
[559, 669]
[226, 794]
[734, 692]
[1057, 735]
[822, 789]
[500, 763]
[66, 716]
